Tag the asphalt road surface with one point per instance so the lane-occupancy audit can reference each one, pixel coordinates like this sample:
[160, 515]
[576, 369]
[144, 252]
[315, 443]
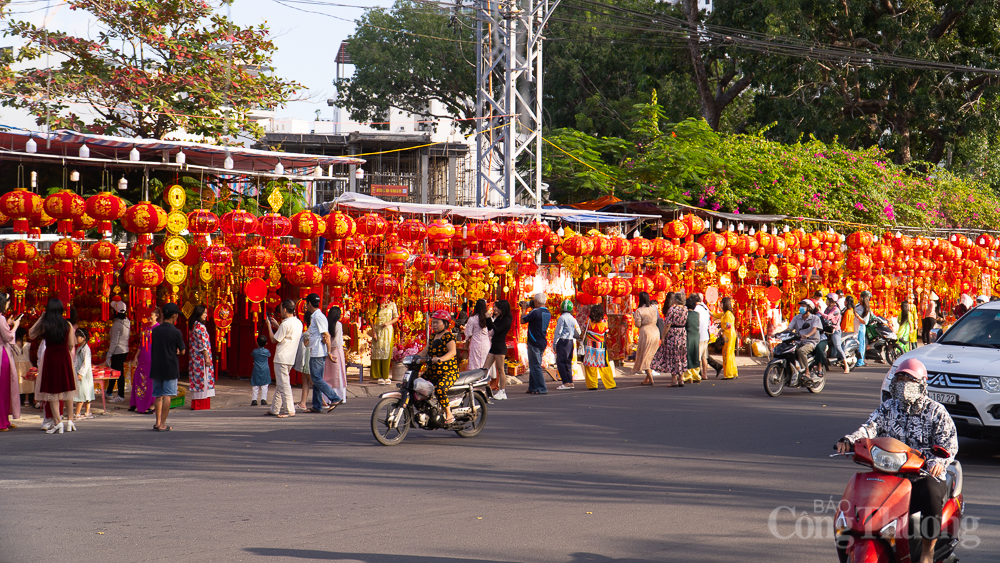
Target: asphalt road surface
[705, 473]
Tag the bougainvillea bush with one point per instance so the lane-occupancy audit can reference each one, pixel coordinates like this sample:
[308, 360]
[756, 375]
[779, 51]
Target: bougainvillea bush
[690, 163]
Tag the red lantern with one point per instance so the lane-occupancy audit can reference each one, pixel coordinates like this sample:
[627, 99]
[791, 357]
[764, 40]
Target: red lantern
[745, 244]
[202, 223]
[142, 276]
[426, 263]
[619, 247]
[695, 224]
[81, 224]
[64, 206]
[661, 247]
[727, 264]
[881, 283]
[219, 256]
[620, 287]
[353, 250]
[881, 253]
[412, 231]
[105, 207]
[597, 285]
[476, 262]
[661, 282]
[383, 285]
[372, 225]
[578, 246]
[452, 266]
[552, 240]
[257, 260]
[903, 243]
[65, 252]
[642, 283]
[273, 226]
[514, 233]
[339, 227]
[488, 231]
[676, 255]
[602, 246]
[338, 276]
[713, 242]
[304, 276]
[395, 259]
[676, 230]
[307, 226]
[537, 233]
[20, 252]
[859, 262]
[288, 255]
[18, 204]
[640, 248]
[499, 260]
[144, 219]
[439, 233]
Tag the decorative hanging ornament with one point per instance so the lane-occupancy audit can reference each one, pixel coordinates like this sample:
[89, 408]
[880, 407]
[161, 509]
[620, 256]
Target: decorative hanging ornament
[236, 225]
[144, 219]
[18, 204]
[202, 223]
[64, 206]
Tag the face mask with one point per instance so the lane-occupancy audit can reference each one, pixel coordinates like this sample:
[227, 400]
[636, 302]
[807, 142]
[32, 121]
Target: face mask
[802, 310]
[908, 392]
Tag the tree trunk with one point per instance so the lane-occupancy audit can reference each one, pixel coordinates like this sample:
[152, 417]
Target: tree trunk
[712, 103]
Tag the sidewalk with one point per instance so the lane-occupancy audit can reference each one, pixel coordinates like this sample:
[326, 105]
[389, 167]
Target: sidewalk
[230, 393]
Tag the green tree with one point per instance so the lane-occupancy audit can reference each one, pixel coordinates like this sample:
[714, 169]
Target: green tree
[406, 56]
[153, 68]
[915, 113]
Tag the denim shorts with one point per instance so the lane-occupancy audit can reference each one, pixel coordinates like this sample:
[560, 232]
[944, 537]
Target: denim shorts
[164, 388]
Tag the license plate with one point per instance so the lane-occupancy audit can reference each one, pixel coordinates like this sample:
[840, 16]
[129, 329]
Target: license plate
[944, 398]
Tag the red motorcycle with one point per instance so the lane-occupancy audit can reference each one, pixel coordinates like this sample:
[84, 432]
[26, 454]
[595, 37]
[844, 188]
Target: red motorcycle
[874, 524]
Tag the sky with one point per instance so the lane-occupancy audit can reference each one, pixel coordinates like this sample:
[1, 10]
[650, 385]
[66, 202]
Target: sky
[306, 42]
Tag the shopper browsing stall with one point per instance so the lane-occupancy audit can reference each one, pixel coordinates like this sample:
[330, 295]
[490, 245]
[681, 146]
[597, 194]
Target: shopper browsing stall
[166, 343]
[287, 340]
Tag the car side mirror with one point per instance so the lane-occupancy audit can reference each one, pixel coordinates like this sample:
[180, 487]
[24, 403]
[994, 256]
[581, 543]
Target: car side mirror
[940, 452]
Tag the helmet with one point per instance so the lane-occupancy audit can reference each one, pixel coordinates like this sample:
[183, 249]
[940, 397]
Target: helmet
[567, 306]
[914, 368]
[442, 315]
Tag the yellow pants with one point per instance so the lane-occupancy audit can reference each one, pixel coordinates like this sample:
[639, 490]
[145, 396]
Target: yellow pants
[692, 375]
[606, 374]
[381, 369]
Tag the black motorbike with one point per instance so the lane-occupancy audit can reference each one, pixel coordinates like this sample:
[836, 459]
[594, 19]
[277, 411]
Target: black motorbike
[416, 405]
[781, 371]
[882, 340]
[850, 343]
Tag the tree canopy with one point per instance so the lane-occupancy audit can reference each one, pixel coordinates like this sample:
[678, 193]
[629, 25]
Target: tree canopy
[152, 68]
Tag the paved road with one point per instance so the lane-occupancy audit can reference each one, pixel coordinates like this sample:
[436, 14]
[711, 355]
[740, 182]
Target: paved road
[637, 474]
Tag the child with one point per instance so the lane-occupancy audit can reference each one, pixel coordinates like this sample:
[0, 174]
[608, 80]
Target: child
[84, 374]
[22, 361]
[261, 376]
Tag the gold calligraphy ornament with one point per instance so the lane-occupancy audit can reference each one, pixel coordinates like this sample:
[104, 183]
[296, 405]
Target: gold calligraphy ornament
[176, 222]
[175, 248]
[175, 273]
[176, 197]
[275, 200]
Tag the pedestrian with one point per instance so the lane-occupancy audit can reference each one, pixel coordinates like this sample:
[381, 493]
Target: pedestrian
[502, 319]
[22, 359]
[595, 359]
[538, 326]
[671, 357]
[704, 322]
[649, 337]
[55, 371]
[567, 331]
[840, 299]
[847, 317]
[302, 363]
[477, 334]
[286, 340]
[121, 330]
[201, 371]
[442, 368]
[693, 372]
[386, 315]
[903, 333]
[335, 368]
[260, 377]
[318, 342]
[836, 338]
[84, 375]
[914, 327]
[928, 315]
[166, 344]
[10, 387]
[862, 316]
[728, 325]
[141, 397]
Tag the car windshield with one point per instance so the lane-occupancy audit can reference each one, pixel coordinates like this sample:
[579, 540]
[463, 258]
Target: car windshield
[980, 328]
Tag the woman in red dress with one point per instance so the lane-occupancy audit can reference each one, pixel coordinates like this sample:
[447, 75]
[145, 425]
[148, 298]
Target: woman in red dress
[55, 378]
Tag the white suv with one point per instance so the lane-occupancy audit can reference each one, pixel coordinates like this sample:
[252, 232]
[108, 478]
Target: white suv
[963, 371]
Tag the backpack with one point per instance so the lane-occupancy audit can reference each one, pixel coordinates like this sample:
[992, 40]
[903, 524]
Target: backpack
[828, 326]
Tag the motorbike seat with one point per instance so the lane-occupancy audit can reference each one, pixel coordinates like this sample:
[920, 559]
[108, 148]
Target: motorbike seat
[470, 377]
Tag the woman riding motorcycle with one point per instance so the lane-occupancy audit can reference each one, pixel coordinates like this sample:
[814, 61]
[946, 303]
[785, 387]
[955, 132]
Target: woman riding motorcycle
[442, 370]
[917, 421]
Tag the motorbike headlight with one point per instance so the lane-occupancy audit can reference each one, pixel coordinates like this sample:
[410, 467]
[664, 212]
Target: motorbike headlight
[991, 384]
[887, 461]
[888, 533]
[840, 524]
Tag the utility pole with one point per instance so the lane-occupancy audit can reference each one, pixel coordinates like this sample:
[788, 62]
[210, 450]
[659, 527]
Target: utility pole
[509, 100]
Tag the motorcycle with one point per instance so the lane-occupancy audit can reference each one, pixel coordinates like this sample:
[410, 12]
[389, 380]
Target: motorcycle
[416, 405]
[883, 341]
[874, 523]
[780, 371]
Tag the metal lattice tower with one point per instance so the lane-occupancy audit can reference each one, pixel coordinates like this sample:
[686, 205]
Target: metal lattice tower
[509, 100]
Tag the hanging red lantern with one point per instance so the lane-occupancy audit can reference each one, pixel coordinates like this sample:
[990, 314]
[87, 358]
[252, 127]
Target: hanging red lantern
[881, 283]
[619, 247]
[19, 204]
[578, 246]
[144, 219]
[903, 243]
[20, 252]
[257, 260]
[395, 259]
[426, 263]
[338, 276]
[859, 240]
[602, 246]
[202, 223]
[641, 284]
[105, 207]
[452, 266]
[597, 286]
[676, 230]
[745, 245]
[675, 255]
[82, 224]
[412, 231]
[288, 255]
[661, 247]
[859, 262]
[881, 253]
[142, 276]
[514, 232]
[713, 242]
[383, 285]
[641, 248]
[476, 262]
[304, 276]
[439, 233]
[696, 225]
[65, 251]
[273, 226]
[236, 225]
[353, 250]
[64, 206]
[727, 264]
[536, 233]
[764, 240]
[488, 231]
[339, 227]
[499, 260]
[372, 225]
[552, 240]
[620, 287]
[307, 227]
[661, 282]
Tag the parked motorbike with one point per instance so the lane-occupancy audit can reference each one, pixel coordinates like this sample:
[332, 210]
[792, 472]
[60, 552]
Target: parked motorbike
[873, 522]
[416, 405]
[781, 371]
[883, 340]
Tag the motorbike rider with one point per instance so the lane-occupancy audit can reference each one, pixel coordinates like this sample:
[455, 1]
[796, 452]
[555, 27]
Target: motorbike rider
[921, 423]
[442, 369]
[809, 327]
